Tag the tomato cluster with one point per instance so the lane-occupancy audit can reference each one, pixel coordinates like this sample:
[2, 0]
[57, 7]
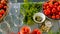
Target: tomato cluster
[52, 9]
[3, 7]
[27, 30]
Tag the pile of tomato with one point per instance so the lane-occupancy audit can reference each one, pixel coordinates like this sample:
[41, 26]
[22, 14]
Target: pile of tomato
[27, 30]
[3, 7]
[52, 9]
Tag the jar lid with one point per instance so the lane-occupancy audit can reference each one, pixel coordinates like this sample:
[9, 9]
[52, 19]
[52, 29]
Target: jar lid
[48, 23]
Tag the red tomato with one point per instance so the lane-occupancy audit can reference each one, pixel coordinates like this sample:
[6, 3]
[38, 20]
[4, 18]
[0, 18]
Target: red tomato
[44, 10]
[0, 15]
[59, 2]
[1, 6]
[53, 10]
[53, 17]
[36, 31]
[47, 7]
[46, 4]
[25, 30]
[59, 13]
[47, 12]
[5, 7]
[56, 3]
[18, 32]
[51, 5]
[3, 2]
[2, 12]
[58, 8]
[57, 16]
[44, 7]
[55, 6]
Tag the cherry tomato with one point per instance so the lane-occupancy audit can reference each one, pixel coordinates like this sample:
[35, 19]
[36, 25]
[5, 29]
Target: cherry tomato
[47, 7]
[57, 16]
[1, 6]
[51, 5]
[53, 17]
[47, 12]
[59, 2]
[2, 12]
[44, 8]
[25, 30]
[0, 15]
[5, 7]
[3, 2]
[36, 31]
[54, 6]
[53, 10]
[18, 32]
[45, 4]
[58, 8]
[59, 13]
[56, 3]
